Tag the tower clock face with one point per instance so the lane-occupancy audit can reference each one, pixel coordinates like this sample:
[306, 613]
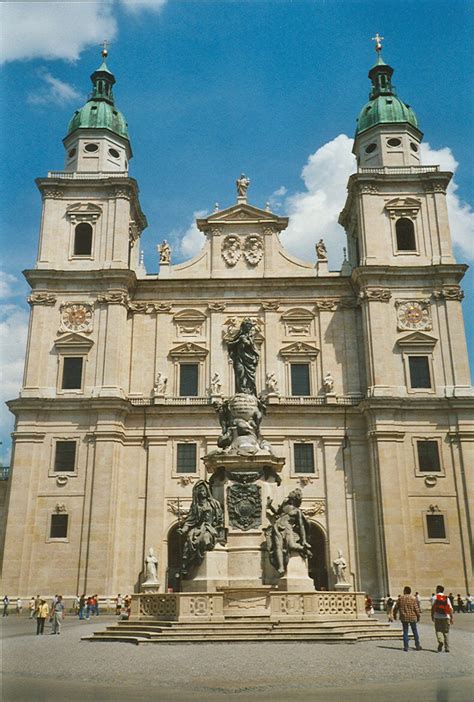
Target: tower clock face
[414, 315]
[76, 318]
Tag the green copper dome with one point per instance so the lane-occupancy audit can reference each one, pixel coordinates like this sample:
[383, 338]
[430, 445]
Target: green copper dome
[100, 112]
[384, 107]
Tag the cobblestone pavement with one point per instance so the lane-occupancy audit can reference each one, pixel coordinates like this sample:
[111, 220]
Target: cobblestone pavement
[62, 668]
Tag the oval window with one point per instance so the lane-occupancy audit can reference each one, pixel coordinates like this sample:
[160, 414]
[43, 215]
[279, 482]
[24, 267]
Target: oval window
[394, 142]
[413, 146]
[72, 153]
[91, 147]
[370, 148]
[114, 153]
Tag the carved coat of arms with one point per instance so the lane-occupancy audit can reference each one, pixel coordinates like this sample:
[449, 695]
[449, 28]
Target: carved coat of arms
[231, 251]
[253, 249]
[244, 503]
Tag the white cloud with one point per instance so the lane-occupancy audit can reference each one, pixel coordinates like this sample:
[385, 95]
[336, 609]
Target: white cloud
[192, 240]
[53, 90]
[54, 30]
[136, 6]
[7, 285]
[314, 211]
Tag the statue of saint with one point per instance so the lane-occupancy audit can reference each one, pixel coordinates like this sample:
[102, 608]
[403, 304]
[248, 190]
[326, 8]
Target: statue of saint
[321, 251]
[201, 526]
[339, 566]
[165, 252]
[216, 384]
[245, 356]
[271, 384]
[242, 185]
[328, 383]
[151, 567]
[160, 384]
[288, 532]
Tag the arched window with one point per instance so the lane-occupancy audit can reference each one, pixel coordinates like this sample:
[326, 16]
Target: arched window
[83, 239]
[405, 230]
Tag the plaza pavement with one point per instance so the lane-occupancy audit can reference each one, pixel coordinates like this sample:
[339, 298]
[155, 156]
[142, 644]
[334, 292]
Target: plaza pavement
[64, 668]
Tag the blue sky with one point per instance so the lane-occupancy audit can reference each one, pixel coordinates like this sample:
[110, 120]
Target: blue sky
[214, 88]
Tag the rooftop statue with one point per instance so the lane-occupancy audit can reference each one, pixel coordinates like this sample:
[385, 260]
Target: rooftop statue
[242, 185]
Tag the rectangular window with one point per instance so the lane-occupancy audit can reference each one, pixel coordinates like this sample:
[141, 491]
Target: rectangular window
[428, 456]
[300, 379]
[188, 379]
[65, 456]
[58, 528]
[419, 372]
[435, 527]
[72, 373]
[186, 458]
[304, 458]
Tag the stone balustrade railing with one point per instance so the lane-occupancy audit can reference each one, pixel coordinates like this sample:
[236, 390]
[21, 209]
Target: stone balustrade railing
[400, 170]
[275, 400]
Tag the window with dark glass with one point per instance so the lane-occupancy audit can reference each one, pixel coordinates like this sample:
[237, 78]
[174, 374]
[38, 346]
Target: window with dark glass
[435, 526]
[419, 372]
[58, 529]
[188, 379]
[304, 458]
[405, 231]
[83, 239]
[72, 373]
[65, 456]
[186, 458]
[428, 456]
[300, 379]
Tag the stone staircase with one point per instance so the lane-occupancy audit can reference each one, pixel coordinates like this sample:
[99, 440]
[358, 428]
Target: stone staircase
[145, 631]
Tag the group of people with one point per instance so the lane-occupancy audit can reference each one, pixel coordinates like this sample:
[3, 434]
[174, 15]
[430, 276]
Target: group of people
[408, 609]
[86, 607]
[123, 606]
[40, 610]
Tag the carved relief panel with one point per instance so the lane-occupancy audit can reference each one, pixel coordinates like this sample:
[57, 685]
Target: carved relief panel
[189, 323]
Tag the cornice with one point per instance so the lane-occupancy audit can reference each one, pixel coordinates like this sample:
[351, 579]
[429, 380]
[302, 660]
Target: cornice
[418, 276]
[101, 280]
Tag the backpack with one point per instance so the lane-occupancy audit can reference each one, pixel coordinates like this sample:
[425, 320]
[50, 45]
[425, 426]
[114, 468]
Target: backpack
[441, 605]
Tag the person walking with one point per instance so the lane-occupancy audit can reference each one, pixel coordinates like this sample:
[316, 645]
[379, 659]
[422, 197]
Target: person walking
[409, 611]
[82, 606]
[389, 602]
[42, 613]
[19, 606]
[32, 607]
[442, 617]
[469, 603]
[118, 605]
[57, 615]
[6, 602]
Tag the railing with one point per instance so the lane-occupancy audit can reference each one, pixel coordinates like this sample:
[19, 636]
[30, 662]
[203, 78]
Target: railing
[193, 401]
[4, 472]
[400, 170]
[86, 175]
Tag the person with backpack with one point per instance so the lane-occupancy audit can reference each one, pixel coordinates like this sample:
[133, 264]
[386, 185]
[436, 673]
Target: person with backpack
[409, 611]
[442, 617]
[389, 602]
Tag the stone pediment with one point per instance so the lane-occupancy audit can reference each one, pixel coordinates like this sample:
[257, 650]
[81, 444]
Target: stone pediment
[417, 339]
[403, 207]
[83, 212]
[297, 313]
[300, 348]
[188, 349]
[73, 341]
[242, 213]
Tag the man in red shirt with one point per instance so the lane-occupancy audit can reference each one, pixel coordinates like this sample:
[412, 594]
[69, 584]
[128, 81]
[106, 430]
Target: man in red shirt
[409, 610]
[442, 617]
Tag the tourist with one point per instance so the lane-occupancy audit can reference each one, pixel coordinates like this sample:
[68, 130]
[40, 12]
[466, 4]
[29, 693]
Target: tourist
[459, 604]
[409, 611]
[89, 607]
[469, 603]
[418, 599]
[369, 606]
[96, 605]
[442, 617]
[42, 612]
[6, 602]
[19, 606]
[389, 602]
[57, 615]
[82, 606]
[451, 599]
[75, 604]
[118, 605]
[32, 607]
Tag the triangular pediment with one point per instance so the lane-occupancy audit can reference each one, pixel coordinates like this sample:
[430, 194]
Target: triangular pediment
[300, 348]
[417, 339]
[189, 349]
[73, 341]
[243, 213]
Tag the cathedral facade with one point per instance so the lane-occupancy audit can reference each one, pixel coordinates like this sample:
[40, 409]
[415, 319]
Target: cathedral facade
[364, 371]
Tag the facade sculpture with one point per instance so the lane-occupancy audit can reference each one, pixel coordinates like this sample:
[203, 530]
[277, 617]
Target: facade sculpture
[216, 384]
[165, 252]
[151, 567]
[288, 531]
[339, 566]
[271, 384]
[321, 251]
[242, 185]
[202, 526]
[328, 384]
[160, 384]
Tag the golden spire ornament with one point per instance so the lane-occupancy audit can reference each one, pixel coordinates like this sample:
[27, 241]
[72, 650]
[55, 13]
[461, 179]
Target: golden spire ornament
[378, 42]
[104, 46]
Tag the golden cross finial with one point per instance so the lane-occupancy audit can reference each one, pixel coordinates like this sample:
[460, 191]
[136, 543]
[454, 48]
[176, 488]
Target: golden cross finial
[104, 46]
[378, 42]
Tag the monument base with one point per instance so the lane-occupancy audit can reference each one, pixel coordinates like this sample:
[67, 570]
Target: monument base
[296, 578]
[150, 587]
[342, 587]
[210, 575]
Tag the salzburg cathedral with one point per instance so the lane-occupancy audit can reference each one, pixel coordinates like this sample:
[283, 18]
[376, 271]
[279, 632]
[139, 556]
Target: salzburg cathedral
[271, 390]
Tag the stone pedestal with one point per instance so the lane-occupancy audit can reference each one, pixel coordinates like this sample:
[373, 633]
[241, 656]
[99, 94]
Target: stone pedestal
[150, 588]
[210, 575]
[342, 587]
[296, 578]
